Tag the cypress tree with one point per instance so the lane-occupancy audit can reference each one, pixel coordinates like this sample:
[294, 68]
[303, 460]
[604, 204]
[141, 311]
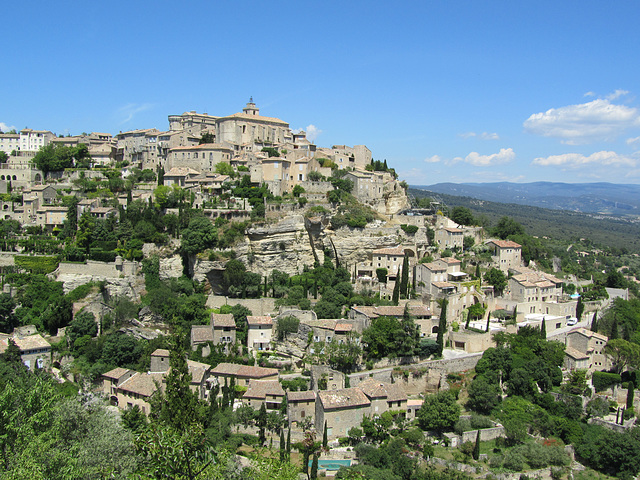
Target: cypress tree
[488, 318]
[325, 442]
[395, 297]
[594, 322]
[579, 308]
[282, 446]
[476, 447]
[289, 445]
[314, 467]
[614, 328]
[478, 274]
[630, 393]
[442, 326]
[543, 329]
[404, 283]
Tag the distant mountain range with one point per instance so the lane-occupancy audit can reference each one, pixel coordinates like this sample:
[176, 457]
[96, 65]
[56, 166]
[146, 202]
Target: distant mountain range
[605, 198]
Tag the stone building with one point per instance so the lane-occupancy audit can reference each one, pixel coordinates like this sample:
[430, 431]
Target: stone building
[242, 373]
[269, 392]
[505, 254]
[35, 351]
[260, 332]
[585, 350]
[300, 406]
[341, 410]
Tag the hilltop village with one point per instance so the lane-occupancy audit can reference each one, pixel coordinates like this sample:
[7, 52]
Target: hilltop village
[297, 291]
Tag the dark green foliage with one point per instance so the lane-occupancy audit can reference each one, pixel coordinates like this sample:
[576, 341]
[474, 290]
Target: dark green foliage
[483, 395]
[381, 273]
[404, 277]
[207, 137]
[442, 327]
[121, 350]
[198, 236]
[579, 308]
[439, 412]
[37, 265]
[285, 326]
[83, 324]
[462, 216]
[610, 452]
[497, 279]
[603, 380]
[55, 157]
[8, 321]
[409, 229]
[388, 337]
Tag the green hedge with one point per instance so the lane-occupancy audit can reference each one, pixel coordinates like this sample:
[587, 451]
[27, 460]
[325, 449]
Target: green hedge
[42, 265]
[603, 380]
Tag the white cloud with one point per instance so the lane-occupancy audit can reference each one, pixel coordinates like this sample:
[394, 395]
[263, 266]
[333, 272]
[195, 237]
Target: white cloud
[577, 160]
[130, 110]
[313, 132]
[590, 94]
[5, 128]
[616, 94]
[433, 159]
[481, 136]
[583, 123]
[505, 155]
[631, 141]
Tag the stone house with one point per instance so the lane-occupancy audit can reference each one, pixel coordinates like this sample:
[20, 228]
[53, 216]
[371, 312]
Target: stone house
[383, 396]
[506, 254]
[179, 176]
[260, 332]
[269, 392]
[361, 316]
[585, 350]
[300, 405]
[242, 373]
[449, 237]
[533, 286]
[35, 351]
[221, 329]
[389, 258]
[203, 157]
[367, 186]
[341, 410]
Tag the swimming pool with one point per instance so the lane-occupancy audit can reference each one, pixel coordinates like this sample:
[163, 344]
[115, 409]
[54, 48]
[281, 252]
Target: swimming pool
[329, 464]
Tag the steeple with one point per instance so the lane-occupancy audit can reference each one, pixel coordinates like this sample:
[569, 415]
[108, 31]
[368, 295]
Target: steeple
[251, 109]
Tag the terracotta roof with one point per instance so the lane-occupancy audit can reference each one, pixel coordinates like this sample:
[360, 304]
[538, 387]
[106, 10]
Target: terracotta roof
[223, 320]
[389, 251]
[306, 396]
[343, 327]
[201, 333]
[31, 342]
[143, 383]
[505, 244]
[262, 388]
[415, 403]
[259, 320]
[243, 370]
[116, 373]
[575, 354]
[345, 398]
[378, 389]
[197, 370]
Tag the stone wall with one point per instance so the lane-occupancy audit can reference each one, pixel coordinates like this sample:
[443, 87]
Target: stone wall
[486, 434]
[258, 306]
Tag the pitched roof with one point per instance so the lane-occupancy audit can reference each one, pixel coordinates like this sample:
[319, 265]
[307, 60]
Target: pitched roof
[31, 342]
[259, 320]
[144, 384]
[160, 352]
[181, 172]
[262, 388]
[589, 333]
[575, 354]
[223, 320]
[389, 251]
[243, 370]
[306, 396]
[345, 398]
[343, 327]
[116, 373]
[201, 333]
[197, 370]
[378, 389]
[505, 244]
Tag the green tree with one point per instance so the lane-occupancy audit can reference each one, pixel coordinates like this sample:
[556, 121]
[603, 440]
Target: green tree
[462, 215]
[381, 273]
[623, 353]
[506, 227]
[484, 396]
[286, 325]
[207, 137]
[198, 236]
[579, 308]
[8, 320]
[476, 447]
[404, 278]
[497, 279]
[442, 327]
[439, 412]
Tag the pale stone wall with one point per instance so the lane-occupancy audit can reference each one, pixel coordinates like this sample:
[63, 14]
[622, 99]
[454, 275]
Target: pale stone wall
[486, 434]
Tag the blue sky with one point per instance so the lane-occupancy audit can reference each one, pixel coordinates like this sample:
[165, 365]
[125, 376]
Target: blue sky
[453, 91]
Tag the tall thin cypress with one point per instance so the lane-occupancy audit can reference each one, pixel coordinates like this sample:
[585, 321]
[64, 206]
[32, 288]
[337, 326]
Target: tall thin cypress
[289, 445]
[476, 447]
[325, 441]
[442, 326]
[594, 322]
[282, 446]
[404, 283]
[314, 467]
[395, 297]
[630, 393]
[488, 318]
[543, 329]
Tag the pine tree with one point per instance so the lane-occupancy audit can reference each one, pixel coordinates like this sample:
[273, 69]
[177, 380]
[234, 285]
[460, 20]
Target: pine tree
[543, 329]
[442, 326]
[476, 448]
[325, 442]
[594, 322]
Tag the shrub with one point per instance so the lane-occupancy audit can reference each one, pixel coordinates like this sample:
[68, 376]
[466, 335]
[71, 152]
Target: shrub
[409, 229]
[514, 460]
[603, 380]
